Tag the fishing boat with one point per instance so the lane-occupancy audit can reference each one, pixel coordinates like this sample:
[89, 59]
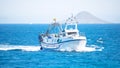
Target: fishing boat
[67, 38]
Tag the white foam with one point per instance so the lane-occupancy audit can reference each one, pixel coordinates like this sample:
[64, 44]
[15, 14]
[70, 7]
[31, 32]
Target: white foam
[85, 49]
[19, 47]
[66, 49]
[100, 40]
[89, 48]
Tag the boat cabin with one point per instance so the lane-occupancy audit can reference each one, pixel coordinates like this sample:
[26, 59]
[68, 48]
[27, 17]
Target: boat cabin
[71, 28]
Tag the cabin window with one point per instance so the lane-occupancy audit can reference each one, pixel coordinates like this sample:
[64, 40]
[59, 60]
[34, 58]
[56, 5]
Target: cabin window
[72, 33]
[71, 27]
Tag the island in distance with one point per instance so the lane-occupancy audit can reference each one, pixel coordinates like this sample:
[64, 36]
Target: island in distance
[88, 18]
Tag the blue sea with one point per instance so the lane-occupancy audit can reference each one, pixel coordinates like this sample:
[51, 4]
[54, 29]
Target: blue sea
[19, 48]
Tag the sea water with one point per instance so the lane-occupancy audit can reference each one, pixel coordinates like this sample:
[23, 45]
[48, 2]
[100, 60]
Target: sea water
[19, 48]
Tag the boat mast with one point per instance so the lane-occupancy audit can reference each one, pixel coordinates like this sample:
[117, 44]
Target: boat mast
[53, 25]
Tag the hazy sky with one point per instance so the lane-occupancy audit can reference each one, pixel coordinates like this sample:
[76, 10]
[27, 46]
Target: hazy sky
[43, 11]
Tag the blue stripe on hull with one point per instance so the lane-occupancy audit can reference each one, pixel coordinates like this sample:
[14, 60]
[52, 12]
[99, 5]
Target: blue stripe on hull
[61, 42]
[58, 44]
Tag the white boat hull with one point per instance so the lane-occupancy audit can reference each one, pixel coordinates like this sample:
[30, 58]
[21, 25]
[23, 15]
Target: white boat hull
[65, 45]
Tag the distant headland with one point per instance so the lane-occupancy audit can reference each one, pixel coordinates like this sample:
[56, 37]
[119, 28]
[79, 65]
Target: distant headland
[88, 18]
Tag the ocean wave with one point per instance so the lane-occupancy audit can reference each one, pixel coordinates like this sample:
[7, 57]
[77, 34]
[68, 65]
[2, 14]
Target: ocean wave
[100, 40]
[19, 47]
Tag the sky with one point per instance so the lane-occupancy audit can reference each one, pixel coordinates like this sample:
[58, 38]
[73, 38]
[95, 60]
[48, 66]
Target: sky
[43, 11]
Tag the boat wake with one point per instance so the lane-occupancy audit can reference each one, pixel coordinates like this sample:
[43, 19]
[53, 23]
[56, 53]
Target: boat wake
[82, 47]
[89, 48]
[19, 47]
